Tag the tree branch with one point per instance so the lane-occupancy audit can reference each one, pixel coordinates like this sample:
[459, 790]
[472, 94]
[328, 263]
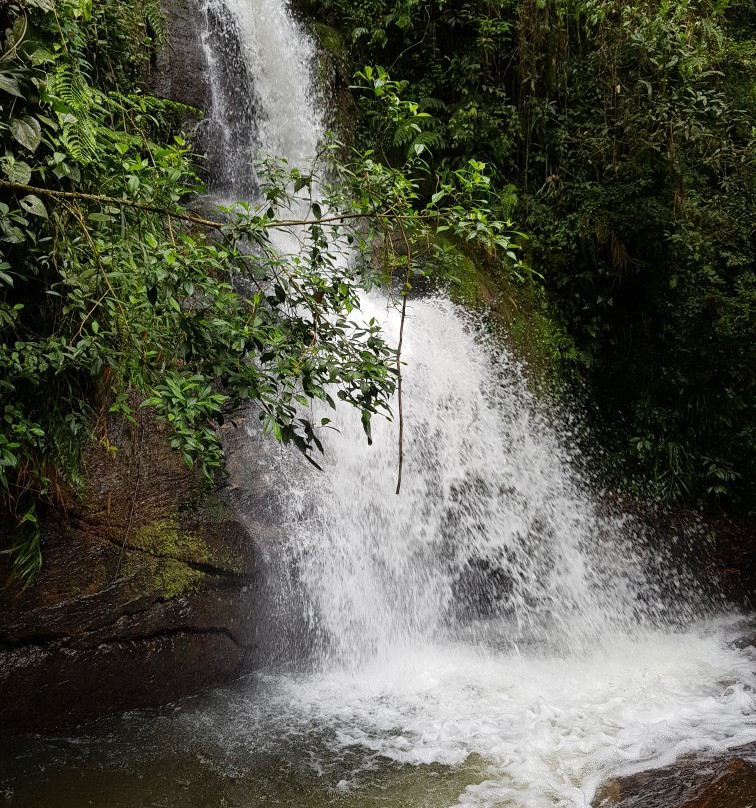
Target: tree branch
[405, 291]
[185, 215]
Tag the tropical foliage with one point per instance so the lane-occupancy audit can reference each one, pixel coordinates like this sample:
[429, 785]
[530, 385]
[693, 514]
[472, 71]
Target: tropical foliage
[625, 133]
[114, 297]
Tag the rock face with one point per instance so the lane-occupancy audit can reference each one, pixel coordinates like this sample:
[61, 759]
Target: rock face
[146, 593]
[182, 73]
[728, 782]
[180, 69]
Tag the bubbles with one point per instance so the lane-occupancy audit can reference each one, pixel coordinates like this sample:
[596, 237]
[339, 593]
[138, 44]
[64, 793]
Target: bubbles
[525, 730]
[494, 537]
[492, 612]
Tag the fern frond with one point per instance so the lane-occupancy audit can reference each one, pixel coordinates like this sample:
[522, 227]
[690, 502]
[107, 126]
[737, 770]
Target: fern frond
[153, 16]
[406, 133]
[69, 86]
[428, 103]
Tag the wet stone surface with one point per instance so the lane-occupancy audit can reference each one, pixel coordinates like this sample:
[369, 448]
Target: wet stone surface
[146, 593]
[727, 782]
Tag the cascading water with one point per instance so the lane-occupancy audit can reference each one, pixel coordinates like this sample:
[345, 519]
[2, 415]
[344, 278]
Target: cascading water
[493, 538]
[259, 66]
[488, 638]
[490, 609]
[490, 617]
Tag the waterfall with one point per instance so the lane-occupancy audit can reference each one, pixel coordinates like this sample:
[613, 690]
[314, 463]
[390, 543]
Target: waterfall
[263, 102]
[495, 636]
[494, 537]
[493, 617]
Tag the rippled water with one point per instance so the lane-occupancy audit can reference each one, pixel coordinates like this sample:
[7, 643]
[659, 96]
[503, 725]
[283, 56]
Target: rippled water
[438, 727]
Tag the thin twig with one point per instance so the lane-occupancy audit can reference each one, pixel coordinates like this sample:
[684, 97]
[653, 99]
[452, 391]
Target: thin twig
[191, 217]
[405, 292]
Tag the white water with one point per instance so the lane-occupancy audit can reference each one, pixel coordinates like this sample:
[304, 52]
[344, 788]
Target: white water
[536, 731]
[490, 610]
[261, 89]
[581, 668]
[492, 522]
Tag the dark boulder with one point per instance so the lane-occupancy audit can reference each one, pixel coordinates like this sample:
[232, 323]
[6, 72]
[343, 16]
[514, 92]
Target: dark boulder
[146, 593]
[724, 782]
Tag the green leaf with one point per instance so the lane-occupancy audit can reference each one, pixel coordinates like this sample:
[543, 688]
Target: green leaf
[41, 56]
[366, 426]
[17, 171]
[10, 85]
[34, 205]
[27, 132]
[301, 182]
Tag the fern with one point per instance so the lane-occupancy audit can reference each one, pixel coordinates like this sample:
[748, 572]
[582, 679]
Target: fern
[79, 122]
[67, 84]
[409, 134]
[429, 103]
[406, 133]
[153, 16]
[431, 140]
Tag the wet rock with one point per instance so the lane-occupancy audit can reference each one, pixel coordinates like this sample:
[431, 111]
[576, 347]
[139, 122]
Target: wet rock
[146, 593]
[181, 72]
[726, 782]
[148, 590]
[180, 69]
[717, 552]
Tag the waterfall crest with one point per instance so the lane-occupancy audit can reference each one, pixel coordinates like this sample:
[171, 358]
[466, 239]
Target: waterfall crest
[263, 99]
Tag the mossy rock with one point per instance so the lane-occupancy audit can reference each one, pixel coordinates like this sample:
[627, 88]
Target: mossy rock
[166, 576]
[516, 309]
[176, 579]
[331, 41]
[164, 538]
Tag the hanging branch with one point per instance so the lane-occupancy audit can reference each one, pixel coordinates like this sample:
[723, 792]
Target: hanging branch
[405, 291]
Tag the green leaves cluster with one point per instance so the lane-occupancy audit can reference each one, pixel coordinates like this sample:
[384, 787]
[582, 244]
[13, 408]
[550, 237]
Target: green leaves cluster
[625, 135]
[115, 298]
[107, 299]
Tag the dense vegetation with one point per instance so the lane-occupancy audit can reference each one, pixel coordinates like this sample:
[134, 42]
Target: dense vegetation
[623, 133]
[114, 297]
[620, 137]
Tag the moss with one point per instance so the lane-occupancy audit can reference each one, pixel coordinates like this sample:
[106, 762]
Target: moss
[176, 579]
[167, 576]
[164, 538]
[331, 41]
[516, 308]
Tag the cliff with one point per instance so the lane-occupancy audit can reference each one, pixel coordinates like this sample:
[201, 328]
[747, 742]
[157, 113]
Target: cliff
[146, 592]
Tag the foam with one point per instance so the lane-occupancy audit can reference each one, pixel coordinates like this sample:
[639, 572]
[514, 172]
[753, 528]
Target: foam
[547, 730]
